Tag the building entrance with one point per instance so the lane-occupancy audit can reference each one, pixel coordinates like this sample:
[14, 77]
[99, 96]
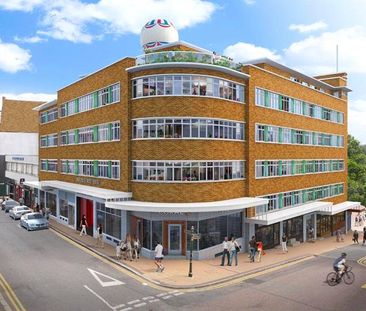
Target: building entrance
[85, 207]
[175, 239]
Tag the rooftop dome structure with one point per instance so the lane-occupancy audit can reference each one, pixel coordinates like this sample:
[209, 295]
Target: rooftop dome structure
[158, 32]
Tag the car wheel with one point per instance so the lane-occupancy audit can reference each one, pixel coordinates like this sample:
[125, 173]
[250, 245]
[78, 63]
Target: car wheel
[27, 228]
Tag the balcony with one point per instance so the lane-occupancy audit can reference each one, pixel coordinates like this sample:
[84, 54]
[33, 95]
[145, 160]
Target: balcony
[187, 57]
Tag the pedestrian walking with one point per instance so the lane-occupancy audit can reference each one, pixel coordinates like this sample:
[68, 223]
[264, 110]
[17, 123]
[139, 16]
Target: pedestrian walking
[364, 236]
[355, 237]
[159, 257]
[235, 251]
[118, 251]
[83, 225]
[252, 248]
[338, 235]
[259, 251]
[284, 243]
[136, 247]
[128, 246]
[100, 241]
[232, 251]
[225, 252]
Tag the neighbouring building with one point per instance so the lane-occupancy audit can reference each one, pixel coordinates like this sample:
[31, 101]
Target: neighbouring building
[181, 137]
[18, 147]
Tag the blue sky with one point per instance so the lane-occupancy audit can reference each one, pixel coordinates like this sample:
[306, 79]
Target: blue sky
[46, 44]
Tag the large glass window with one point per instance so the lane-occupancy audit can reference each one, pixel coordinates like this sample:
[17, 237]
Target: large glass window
[110, 219]
[187, 85]
[280, 102]
[187, 171]
[51, 203]
[187, 128]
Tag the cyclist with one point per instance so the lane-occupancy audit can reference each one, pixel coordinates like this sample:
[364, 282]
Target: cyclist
[339, 265]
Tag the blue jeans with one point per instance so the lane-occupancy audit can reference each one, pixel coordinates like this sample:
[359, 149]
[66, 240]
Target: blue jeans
[235, 255]
[225, 253]
[252, 253]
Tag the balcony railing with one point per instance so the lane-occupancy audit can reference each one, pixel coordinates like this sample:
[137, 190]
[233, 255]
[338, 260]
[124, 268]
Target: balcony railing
[187, 57]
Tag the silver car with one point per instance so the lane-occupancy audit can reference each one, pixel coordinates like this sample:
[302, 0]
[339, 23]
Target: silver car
[18, 211]
[33, 221]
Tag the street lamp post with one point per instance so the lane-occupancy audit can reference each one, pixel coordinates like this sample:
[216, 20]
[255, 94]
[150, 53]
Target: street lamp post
[190, 256]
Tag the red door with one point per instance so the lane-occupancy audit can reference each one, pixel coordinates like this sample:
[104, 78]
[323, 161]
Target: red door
[85, 207]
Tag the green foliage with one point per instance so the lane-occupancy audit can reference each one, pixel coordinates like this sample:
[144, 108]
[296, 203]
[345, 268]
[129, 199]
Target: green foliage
[356, 171]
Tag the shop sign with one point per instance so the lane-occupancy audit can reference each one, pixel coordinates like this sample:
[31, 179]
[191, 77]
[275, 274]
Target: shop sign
[17, 158]
[88, 181]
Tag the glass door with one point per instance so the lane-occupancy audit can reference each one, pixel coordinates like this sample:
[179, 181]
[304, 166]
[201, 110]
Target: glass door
[175, 239]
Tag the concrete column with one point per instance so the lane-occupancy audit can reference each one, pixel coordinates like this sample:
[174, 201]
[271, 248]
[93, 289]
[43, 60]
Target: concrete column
[281, 230]
[315, 228]
[57, 205]
[304, 235]
[124, 224]
[346, 220]
[94, 218]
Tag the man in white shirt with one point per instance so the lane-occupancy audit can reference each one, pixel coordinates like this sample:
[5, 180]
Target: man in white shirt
[159, 257]
[225, 245]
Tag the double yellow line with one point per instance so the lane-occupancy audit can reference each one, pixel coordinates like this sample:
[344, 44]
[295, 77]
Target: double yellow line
[11, 295]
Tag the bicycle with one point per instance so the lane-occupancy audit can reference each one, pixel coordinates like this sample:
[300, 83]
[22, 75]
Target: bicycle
[348, 277]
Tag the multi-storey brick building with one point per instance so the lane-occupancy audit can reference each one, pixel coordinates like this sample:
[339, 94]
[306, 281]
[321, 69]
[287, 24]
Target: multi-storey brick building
[18, 147]
[182, 137]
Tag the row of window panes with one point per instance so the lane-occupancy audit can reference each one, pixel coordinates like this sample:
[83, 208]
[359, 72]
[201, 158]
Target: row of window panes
[195, 85]
[94, 168]
[49, 165]
[90, 134]
[22, 168]
[293, 198]
[187, 128]
[275, 168]
[49, 115]
[105, 96]
[266, 133]
[279, 102]
[187, 171]
[49, 140]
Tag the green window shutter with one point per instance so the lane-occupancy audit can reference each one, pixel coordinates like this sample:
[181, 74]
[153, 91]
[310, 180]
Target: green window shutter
[265, 133]
[314, 138]
[76, 105]
[110, 131]
[280, 200]
[46, 118]
[265, 168]
[292, 108]
[46, 165]
[76, 138]
[280, 102]
[95, 100]
[76, 167]
[313, 166]
[95, 134]
[266, 98]
[279, 168]
[280, 134]
[293, 167]
[109, 169]
[95, 166]
[67, 166]
[303, 166]
[293, 136]
[67, 137]
[109, 95]
[303, 196]
[313, 195]
[303, 107]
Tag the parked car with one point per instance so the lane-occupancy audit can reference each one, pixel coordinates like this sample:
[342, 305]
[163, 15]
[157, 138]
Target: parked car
[18, 211]
[8, 205]
[33, 221]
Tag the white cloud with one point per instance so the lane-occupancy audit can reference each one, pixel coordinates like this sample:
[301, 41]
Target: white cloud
[308, 28]
[27, 96]
[13, 58]
[317, 54]
[242, 52]
[70, 19]
[34, 39]
[249, 2]
[356, 119]
[20, 5]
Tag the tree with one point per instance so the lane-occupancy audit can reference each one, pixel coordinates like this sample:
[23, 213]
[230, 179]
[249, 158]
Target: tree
[356, 171]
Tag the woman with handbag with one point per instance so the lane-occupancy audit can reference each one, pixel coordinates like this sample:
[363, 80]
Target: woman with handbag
[235, 249]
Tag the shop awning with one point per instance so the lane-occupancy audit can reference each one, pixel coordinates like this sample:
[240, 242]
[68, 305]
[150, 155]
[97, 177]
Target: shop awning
[102, 193]
[341, 207]
[199, 207]
[288, 213]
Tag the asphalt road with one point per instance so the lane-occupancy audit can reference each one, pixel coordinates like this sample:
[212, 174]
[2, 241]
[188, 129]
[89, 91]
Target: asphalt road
[48, 273]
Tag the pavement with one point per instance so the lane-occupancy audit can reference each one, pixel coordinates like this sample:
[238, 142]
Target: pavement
[207, 272]
[46, 271]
